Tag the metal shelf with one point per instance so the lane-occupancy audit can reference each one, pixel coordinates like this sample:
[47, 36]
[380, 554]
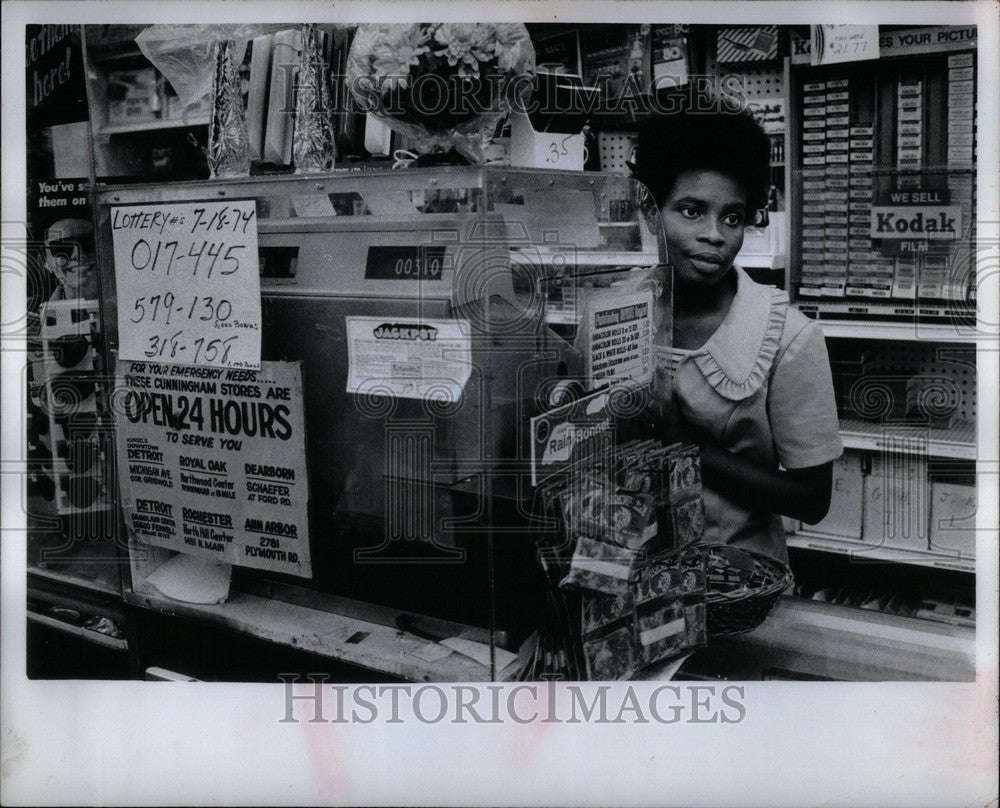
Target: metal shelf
[912, 331]
[862, 551]
[112, 643]
[958, 443]
[761, 260]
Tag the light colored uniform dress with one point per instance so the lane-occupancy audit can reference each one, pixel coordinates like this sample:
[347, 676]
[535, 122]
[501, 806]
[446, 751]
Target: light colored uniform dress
[761, 386]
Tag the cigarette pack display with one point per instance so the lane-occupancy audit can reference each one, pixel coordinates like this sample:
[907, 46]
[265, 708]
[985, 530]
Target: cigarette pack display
[814, 86]
[953, 519]
[960, 74]
[960, 60]
[930, 285]
[847, 493]
[904, 284]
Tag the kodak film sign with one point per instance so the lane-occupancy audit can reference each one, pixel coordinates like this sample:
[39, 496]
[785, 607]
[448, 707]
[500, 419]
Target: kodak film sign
[913, 222]
[909, 222]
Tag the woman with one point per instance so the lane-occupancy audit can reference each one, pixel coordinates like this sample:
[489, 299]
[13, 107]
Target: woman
[752, 384]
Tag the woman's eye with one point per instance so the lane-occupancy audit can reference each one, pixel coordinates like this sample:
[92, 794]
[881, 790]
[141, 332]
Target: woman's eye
[689, 212]
[733, 220]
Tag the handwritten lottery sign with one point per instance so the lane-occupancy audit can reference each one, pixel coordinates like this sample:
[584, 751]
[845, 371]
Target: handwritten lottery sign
[188, 283]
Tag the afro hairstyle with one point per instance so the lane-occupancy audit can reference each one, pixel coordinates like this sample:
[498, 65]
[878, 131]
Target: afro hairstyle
[704, 137]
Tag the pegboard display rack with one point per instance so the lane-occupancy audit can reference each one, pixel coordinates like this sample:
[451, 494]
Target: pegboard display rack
[919, 335]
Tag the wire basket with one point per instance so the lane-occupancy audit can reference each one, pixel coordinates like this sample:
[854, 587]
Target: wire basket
[743, 587]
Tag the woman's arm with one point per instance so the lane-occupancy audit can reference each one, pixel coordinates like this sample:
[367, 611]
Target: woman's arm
[800, 493]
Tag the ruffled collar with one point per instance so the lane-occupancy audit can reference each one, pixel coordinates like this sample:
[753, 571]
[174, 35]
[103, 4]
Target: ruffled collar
[737, 358]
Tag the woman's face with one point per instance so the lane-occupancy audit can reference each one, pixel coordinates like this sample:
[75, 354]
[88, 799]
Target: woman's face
[703, 217]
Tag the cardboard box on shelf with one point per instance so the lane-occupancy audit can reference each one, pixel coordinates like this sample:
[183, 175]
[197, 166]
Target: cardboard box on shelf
[897, 502]
[846, 499]
[953, 519]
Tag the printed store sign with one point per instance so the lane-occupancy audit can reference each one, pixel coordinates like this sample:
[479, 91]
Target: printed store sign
[188, 283]
[619, 338]
[408, 357]
[562, 436]
[212, 462]
[908, 221]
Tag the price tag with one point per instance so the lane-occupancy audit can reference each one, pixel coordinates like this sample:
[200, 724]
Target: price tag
[832, 44]
[188, 283]
[529, 147]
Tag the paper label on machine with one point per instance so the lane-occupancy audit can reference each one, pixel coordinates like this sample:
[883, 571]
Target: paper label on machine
[212, 462]
[187, 282]
[408, 357]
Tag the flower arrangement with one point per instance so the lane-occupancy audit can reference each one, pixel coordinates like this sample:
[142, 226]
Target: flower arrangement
[446, 85]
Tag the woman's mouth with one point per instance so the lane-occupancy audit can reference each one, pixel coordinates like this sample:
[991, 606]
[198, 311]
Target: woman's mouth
[706, 261]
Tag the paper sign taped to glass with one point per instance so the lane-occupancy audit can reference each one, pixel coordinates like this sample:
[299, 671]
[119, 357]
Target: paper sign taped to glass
[408, 357]
[187, 283]
[212, 462]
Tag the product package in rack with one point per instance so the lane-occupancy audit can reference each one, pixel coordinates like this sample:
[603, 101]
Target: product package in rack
[598, 566]
[661, 613]
[611, 657]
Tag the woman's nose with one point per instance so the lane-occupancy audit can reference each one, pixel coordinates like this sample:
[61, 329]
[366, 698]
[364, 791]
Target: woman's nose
[711, 233]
